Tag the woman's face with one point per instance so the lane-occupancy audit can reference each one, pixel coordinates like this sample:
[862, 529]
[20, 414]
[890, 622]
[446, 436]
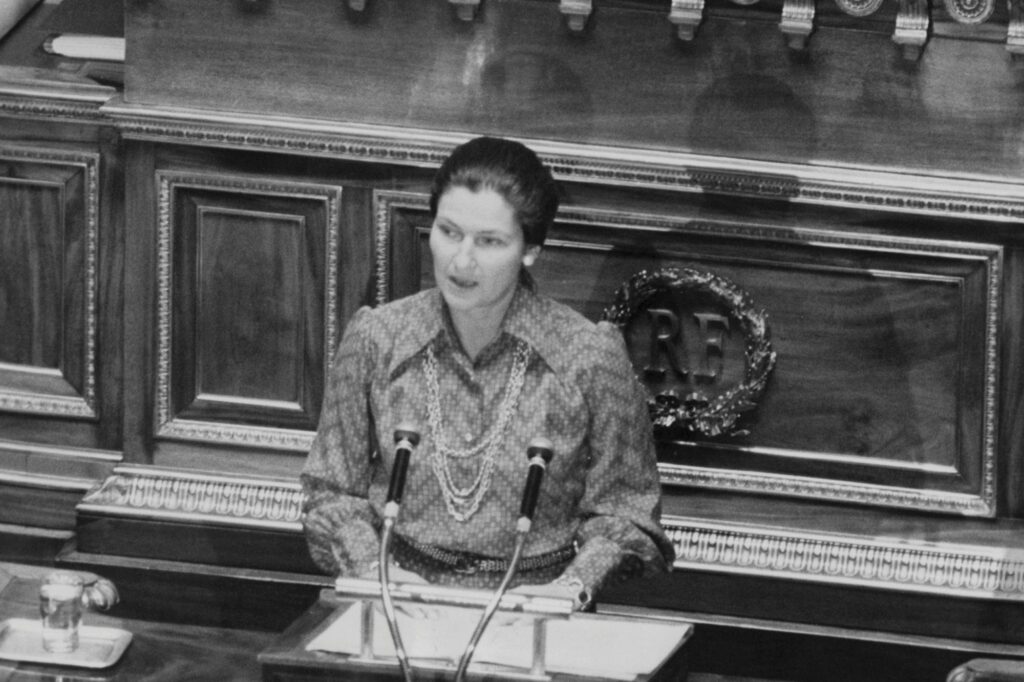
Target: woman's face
[478, 248]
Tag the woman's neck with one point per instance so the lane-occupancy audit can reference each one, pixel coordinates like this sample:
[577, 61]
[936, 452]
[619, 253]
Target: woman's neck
[475, 333]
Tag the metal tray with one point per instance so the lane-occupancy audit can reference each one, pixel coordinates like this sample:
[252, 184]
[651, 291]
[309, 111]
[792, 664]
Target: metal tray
[21, 639]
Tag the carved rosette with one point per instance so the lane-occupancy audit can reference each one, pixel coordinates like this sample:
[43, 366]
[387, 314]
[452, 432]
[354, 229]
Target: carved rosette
[200, 498]
[970, 11]
[859, 8]
[721, 415]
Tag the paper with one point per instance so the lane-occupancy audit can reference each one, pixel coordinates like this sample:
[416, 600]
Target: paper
[607, 648]
[11, 12]
[79, 46]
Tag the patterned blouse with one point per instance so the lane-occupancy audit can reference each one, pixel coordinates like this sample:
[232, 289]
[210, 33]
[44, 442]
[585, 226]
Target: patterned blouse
[600, 492]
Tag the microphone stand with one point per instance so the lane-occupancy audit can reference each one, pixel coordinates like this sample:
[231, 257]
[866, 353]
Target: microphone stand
[539, 452]
[406, 438]
[385, 597]
[492, 606]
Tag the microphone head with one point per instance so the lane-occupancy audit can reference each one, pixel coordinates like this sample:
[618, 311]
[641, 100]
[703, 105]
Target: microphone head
[540, 447]
[409, 431]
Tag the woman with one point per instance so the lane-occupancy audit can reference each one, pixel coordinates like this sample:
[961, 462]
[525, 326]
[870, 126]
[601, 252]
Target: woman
[484, 364]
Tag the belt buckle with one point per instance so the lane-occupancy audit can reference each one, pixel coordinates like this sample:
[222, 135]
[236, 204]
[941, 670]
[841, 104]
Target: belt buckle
[464, 566]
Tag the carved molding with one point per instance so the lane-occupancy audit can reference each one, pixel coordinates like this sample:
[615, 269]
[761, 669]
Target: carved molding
[874, 562]
[166, 424]
[797, 22]
[73, 110]
[687, 16]
[859, 8]
[82, 406]
[912, 22]
[385, 204]
[1015, 27]
[671, 171]
[204, 498]
[970, 12]
[887, 563]
[576, 12]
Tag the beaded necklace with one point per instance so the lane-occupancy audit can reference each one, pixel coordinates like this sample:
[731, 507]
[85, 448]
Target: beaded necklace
[463, 502]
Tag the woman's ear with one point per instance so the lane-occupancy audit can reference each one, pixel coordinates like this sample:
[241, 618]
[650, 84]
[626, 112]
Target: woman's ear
[531, 255]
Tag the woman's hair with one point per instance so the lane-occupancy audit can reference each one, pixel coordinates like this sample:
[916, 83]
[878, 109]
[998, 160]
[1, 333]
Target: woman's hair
[513, 171]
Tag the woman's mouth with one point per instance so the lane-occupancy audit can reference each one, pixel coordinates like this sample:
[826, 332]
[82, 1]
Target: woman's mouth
[461, 282]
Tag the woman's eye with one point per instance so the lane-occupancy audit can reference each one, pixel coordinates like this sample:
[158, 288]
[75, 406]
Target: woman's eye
[489, 241]
[449, 232]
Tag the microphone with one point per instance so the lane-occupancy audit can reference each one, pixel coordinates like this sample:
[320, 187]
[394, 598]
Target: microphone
[407, 437]
[540, 451]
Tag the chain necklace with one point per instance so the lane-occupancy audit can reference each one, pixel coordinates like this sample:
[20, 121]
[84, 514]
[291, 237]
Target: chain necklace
[463, 502]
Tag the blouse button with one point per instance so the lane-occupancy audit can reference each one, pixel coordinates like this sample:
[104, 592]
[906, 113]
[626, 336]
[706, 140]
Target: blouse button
[468, 437]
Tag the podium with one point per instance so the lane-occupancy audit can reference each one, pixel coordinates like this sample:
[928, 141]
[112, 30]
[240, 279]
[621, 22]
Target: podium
[344, 636]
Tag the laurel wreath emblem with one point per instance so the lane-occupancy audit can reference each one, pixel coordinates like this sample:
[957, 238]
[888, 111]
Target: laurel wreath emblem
[695, 415]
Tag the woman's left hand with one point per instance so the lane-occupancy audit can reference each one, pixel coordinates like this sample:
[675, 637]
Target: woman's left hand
[553, 590]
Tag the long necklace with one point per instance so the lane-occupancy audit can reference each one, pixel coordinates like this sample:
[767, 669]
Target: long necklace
[463, 502]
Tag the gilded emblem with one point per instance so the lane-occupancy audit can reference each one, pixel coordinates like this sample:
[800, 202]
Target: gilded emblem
[685, 318]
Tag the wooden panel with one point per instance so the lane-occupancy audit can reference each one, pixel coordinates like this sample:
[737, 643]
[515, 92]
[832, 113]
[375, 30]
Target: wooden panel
[733, 91]
[884, 393]
[247, 308]
[48, 269]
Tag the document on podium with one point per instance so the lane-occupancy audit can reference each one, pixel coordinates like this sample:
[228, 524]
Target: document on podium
[583, 644]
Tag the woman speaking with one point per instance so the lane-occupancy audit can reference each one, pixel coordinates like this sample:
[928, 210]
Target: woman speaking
[485, 364]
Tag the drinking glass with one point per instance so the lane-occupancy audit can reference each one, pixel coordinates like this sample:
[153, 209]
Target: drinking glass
[60, 607]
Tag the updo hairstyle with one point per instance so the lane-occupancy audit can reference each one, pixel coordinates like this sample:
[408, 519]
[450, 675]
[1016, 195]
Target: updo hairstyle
[513, 171]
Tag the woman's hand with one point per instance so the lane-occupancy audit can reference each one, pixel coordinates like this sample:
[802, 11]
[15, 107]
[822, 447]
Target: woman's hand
[572, 590]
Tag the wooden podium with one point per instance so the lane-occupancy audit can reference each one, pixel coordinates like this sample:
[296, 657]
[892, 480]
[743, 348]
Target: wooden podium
[344, 636]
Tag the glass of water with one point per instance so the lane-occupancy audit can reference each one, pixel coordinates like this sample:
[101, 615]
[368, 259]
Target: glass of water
[60, 607]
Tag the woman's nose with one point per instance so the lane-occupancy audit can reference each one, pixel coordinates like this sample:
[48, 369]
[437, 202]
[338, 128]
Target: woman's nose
[465, 258]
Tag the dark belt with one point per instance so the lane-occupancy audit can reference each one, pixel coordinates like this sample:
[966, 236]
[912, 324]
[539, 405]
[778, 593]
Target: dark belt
[468, 562]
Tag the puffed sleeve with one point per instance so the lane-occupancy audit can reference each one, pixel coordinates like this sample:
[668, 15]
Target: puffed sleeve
[621, 535]
[341, 526]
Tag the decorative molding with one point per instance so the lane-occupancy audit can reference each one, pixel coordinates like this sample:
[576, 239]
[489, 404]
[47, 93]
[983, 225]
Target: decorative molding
[203, 498]
[1015, 27]
[22, 105]
[981, 504]
[167, 425]
[859, 8]
[797, 22]
[821, 185]
[970, 12]
[84, 405]
[912, 23]
[890, 563]
[687, 16]
[385, 203]
[577, 13]
[876, 562]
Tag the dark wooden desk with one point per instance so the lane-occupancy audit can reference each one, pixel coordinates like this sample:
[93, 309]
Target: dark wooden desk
[158, 651]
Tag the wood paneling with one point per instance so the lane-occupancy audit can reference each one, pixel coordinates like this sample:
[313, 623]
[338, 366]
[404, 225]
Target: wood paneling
[883, 393]
[733, 91]
[246, 307]
[49, 238]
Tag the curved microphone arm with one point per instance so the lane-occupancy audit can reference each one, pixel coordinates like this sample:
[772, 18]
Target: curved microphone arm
[385, 597]
[492, 606]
